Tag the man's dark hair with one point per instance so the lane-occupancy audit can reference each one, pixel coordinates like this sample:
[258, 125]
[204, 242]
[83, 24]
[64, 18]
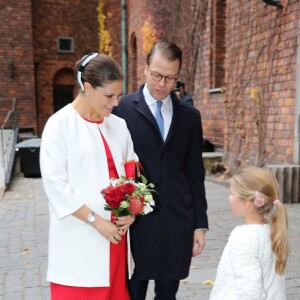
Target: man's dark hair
[180, 84]
[167, 49]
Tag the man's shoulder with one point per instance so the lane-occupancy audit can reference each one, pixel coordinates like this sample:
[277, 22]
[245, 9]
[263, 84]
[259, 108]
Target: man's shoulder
[129, 98]
[126, 104]
[189, 109]
[127, 101]
[185, 96]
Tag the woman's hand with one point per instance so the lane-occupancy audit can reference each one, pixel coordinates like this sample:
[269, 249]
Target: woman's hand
[113, 232]
[124, 222]
[110, 231]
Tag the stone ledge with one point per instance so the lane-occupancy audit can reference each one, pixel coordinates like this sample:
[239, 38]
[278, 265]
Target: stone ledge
[288, 177]
[2, 190]
[212, 154]
[209, 158]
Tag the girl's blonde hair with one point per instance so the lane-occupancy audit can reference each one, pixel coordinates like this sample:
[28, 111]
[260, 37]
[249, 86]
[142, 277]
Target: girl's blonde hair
[251, 182]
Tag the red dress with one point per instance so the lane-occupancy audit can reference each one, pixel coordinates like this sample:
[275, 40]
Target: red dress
[118, 254]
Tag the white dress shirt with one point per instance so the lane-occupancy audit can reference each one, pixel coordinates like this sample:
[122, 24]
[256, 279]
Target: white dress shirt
[166, 109]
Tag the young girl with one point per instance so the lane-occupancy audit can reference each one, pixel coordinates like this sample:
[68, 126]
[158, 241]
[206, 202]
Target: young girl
[253, 261]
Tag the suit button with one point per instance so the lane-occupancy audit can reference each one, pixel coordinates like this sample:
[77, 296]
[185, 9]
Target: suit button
[161, 181]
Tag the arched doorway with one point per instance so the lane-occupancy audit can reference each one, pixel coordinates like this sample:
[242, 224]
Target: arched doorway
[63, 88]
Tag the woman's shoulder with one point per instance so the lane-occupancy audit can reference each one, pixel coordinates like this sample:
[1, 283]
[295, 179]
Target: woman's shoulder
[115, 120]
[63, 114]
[60, 120]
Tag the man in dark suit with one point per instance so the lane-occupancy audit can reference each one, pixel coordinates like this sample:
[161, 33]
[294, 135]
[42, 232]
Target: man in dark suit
[167, 136]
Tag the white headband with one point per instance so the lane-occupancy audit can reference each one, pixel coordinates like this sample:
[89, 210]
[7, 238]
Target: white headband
[87, 58]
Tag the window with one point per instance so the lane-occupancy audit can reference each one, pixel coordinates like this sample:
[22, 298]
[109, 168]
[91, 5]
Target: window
[65, 44]
[217, 54]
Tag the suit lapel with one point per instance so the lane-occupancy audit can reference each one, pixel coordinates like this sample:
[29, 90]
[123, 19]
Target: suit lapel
[143, 109]
[178, 116]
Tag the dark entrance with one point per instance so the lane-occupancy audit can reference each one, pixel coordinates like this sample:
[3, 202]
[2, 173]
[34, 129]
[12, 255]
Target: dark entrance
[62, 95]
[63, 88]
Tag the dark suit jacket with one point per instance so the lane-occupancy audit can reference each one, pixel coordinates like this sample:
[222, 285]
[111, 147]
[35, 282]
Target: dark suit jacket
[162, 241]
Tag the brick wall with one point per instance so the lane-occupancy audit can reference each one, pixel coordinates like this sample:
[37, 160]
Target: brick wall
[169, 21]
[53, 19]
[29, 32]
[16, 46]
[261, 48]
[137, 13]
[254, 118]
[112, 10]
[209, 76]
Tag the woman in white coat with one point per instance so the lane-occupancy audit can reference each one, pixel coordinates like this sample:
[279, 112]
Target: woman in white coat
[83, 146]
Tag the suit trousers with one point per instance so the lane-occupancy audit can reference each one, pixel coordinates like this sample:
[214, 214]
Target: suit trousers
[164, 290]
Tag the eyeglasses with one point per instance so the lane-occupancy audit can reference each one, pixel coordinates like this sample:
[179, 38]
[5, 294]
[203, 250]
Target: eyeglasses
[158, 77]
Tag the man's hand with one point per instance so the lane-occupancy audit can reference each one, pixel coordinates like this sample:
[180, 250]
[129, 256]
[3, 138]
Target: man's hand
[199, 242]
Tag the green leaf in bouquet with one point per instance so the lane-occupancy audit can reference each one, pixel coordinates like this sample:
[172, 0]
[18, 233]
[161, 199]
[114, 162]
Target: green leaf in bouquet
[123, 213]
[107, 207]
[144, 180]
[123, 178]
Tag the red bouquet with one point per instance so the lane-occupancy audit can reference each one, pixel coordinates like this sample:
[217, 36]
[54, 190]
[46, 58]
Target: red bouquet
[125, 197]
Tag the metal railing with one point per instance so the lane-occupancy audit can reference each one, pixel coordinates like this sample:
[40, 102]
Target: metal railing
[8, 140]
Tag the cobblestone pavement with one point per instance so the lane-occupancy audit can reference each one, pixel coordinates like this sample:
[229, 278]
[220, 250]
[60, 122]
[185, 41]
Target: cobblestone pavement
[23, 244]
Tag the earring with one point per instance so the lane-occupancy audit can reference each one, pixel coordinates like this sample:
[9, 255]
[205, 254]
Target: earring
[86, 93]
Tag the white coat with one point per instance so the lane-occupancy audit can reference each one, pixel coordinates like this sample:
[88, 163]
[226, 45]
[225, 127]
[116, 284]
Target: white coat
[247, 267]
[74, 170]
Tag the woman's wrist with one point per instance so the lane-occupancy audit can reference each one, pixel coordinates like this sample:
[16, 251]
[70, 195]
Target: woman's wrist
[91, 218]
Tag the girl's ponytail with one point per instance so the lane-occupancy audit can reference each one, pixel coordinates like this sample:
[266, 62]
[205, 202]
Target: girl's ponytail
[279, 223]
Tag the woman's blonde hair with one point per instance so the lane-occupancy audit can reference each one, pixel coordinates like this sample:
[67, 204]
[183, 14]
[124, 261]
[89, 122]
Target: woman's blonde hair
[251, 182]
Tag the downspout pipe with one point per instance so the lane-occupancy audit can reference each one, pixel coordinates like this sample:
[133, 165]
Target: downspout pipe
[123, 34]
[296, 159]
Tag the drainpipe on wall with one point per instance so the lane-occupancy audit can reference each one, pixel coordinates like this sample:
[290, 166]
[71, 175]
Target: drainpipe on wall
[37, 122]
[123, 34]
[296, 159]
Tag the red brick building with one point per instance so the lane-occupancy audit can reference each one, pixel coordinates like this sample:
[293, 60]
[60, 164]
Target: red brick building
[240, 63]
[40, 42]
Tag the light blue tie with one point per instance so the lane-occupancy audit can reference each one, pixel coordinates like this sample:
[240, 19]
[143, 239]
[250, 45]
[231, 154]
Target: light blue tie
[159, 117]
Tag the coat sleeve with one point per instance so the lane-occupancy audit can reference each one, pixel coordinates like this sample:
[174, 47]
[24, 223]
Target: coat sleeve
[196, 174]
[247, 269]
[53, 163]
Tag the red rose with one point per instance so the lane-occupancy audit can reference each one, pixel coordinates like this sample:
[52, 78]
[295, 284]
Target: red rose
[114, 197]
[106, 190]
[128, 188]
